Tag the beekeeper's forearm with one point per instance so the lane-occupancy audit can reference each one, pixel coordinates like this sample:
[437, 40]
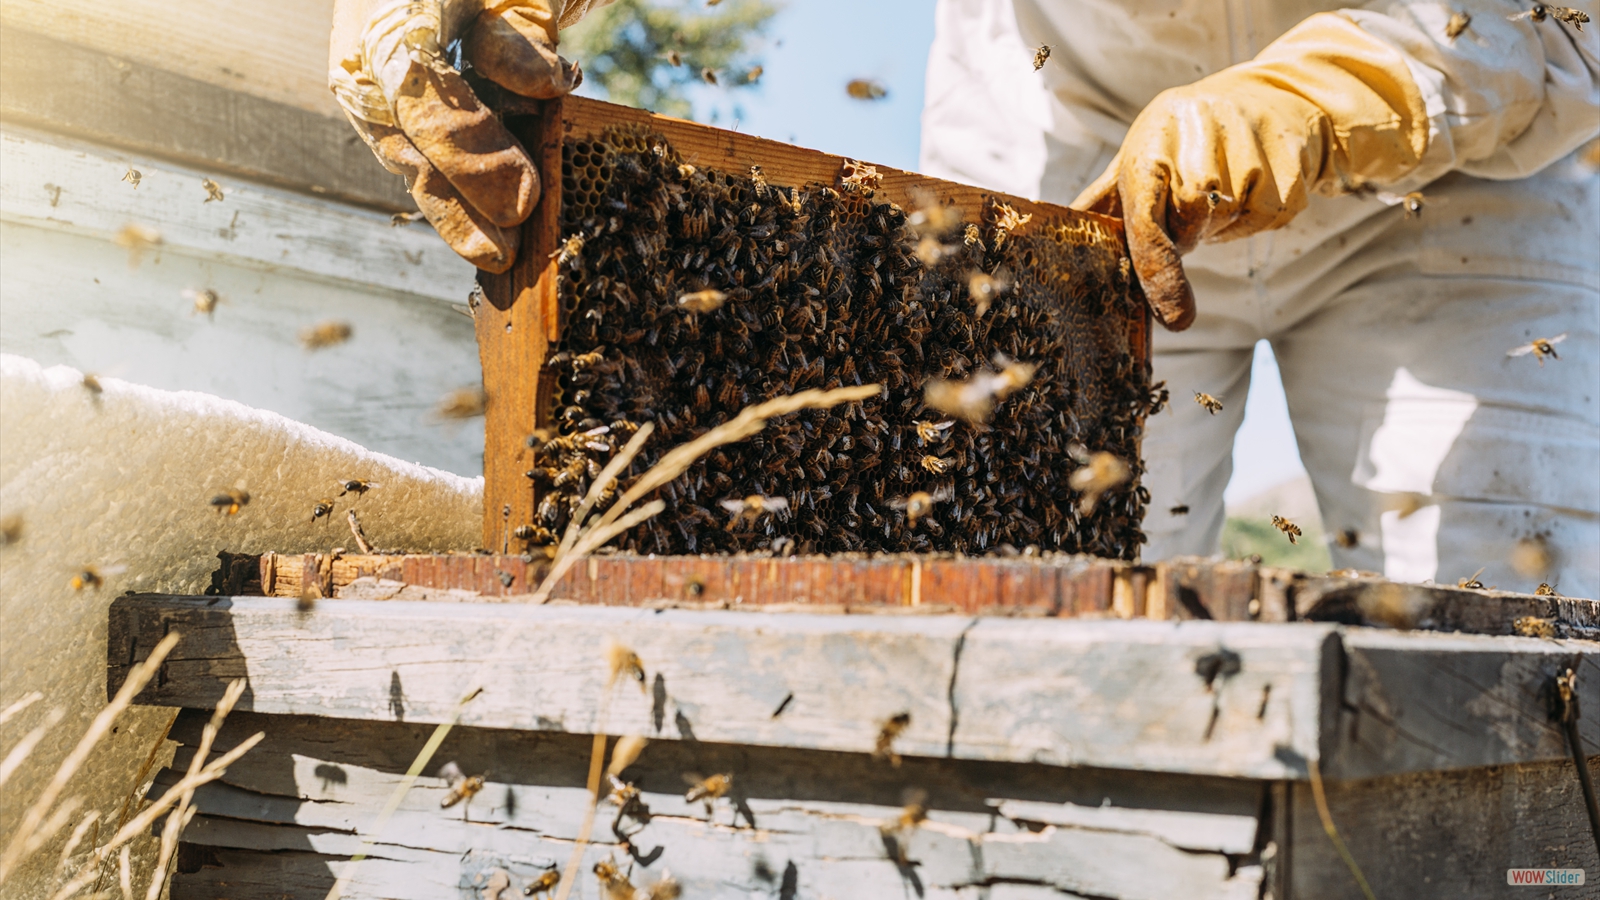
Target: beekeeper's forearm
[1504, 98]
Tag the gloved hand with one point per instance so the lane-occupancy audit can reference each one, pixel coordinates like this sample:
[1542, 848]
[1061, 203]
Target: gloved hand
[469, 176]
[1326, 107]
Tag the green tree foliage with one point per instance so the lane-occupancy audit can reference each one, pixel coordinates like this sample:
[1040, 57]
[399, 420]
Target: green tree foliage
[626, 48]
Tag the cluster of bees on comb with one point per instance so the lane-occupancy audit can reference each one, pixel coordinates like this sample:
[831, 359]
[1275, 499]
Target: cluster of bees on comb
[689, 293]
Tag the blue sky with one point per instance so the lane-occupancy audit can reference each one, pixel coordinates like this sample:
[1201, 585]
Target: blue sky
[815, 47]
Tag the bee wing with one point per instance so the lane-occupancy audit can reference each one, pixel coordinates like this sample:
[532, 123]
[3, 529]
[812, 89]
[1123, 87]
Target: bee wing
[777, 504]
[693, 779]
[943, 494]
[1389, 198]
[733, 506]
[899, 503]
[1524, 350]
[451, 773]
[1525, 14]
[1557, 339]
[113, 570]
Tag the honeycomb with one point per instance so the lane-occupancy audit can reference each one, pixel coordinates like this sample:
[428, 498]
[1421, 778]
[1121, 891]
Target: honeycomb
[824, 287]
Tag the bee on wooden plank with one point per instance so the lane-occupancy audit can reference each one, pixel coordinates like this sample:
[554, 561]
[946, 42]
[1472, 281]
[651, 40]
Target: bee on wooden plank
[1471, 582]
[231, 501]
[543, 884]
[1545, 590]
[750, 509]
[1041, 56]
[463, 787]
[213, 190]
[1211, 404]
[92, 577]
[920, 504]
[204, 302]
[1100, 472]
[623, 661]
[865, 89]
[1460, 21]
[1289, 529]
[707, 790]
[325, 334]
[892, 727]
[356, 486]
[321, 509]
[1575, 17]
[1540, 348]
[133, 176]
[708, 300]
[1534, 626]
[614, 885]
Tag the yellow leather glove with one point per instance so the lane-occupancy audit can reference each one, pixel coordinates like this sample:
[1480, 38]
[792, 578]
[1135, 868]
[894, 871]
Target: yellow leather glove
[469, 176]
[1326, 107]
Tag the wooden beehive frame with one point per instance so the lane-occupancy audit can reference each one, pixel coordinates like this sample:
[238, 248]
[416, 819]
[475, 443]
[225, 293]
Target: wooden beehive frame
[521, 316]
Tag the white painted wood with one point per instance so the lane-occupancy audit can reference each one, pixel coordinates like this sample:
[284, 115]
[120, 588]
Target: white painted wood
[69, 296]
[1187, 830]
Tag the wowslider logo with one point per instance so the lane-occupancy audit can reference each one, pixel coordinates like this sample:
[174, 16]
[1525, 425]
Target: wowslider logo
[1544, 877]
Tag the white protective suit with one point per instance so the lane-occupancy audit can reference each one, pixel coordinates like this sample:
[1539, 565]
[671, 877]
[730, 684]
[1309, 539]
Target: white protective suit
[1390, 330]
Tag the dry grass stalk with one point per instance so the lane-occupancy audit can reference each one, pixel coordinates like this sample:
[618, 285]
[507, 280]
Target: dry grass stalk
[184, 812]
[1323, 813]
[75, 839]
[579, 541]
[16, 850]
[19, 753]
[140, 783]
[22, 704]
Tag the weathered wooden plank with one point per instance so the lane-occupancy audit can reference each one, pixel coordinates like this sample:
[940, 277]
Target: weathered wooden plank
[1375, 601]
[1420, 702]
[62, 87]
[810, 820]
[1444, 834]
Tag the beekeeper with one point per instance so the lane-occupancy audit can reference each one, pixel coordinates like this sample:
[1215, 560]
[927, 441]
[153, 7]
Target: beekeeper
[1261, 153]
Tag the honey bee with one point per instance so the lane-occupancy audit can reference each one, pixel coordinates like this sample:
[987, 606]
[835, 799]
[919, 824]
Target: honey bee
[310, 593]
[929, 250]
[205, 301]
[937, 465]
[758, 181]
[709, 76]
[1041, 56]
[1540, 348]
[133, 176]
[1348, 538]
[91, 383]
[1410, 204]
[933, 432]
[535, 534]
[1403, 502]
[665, 889]
[579, 362]
[753, 507]
[1212, 405]
[708, 300]
[213, 190]
[462, 786]
[613, 884]
[1182, 509]
[623, 661]
[231, 501]
[973, 400]
[865, 89]
[136, 239]
[91, 577]
[921, 503]
[1006, 221]
[1101, 472]
[973, 238]
[754, 75]
[1459, 22]
[674, 58]
[1289, 529]
[1471, 583]
[1530, 557]
[892, 727]
[356, 486]
[984, 289]
[569, 249]
[1574, 17]
[325, 334]
[543, 884]
[912, 814]
[707, 790]
[1545, 590]
[857, 175]
[321, 508]
[10, 530]
[465, 403]
[685, 170]
[929, 216]
[1534, 626]
[405, 218]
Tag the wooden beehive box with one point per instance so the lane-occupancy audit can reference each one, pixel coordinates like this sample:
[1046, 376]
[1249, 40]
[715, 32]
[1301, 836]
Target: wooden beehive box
[827, 284]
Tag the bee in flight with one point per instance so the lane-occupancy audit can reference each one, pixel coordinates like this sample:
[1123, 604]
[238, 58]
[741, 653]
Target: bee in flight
[705, 301]
[1471, 583]
[865, 89]
[1290, 529]
[543, 884]
[984, 289]
[707, 790]
[321, 508]
[213, 190]
[930, 216]
[1101, 472]
[205, 301]
[921, 503]
[891, 728]
[1540, 348]
[1459, 22]
[132, 176]
[1041, 56]
[709, 75]
[753, 507]
[1212, 405]
[1348, 539]
[465, 403]
[231, 501]
[356, 486]
[462, 786]
[753, 75]
[1182, 509]
[974, 399]
[898, 830]
[1574, 17]
[325, 334]
[91, 577]
[623, 661]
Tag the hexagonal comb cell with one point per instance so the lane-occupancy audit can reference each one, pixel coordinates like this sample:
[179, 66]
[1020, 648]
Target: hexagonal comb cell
[825, 287]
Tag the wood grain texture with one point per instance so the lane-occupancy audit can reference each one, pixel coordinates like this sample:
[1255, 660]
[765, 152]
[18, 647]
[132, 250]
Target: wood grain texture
[142, 107]
[805, 819]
